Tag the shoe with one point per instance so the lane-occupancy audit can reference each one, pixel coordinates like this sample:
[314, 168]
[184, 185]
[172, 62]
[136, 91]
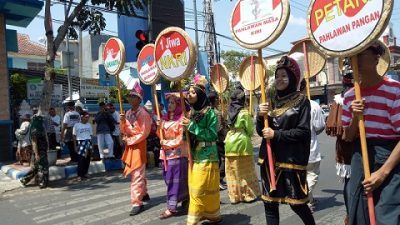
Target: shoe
[136, 210]
[146, 198]
[212, 222]
[167, 214]
[22, 183]
[185, 205]
[222, 186]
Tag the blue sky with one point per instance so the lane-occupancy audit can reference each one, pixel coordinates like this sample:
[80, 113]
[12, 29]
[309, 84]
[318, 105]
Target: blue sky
[295, 30]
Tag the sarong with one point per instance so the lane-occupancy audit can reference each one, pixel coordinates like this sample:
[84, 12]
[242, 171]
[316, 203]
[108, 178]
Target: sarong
[386, 197]
[204, 193]
[241, 179]
[176, 179]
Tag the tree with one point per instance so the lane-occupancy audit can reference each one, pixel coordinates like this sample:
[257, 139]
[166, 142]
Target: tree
[233, 59]
[18, 88]
[85, 15]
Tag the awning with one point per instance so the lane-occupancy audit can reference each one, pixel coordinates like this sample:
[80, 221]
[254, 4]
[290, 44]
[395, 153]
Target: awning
[20, 12]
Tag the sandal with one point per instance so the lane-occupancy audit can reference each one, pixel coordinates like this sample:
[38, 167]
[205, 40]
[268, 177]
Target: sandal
[167, 214]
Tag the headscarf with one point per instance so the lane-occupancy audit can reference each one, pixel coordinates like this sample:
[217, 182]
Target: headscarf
[238, 100]
[178, 109]
[199, 86]
[293, 70]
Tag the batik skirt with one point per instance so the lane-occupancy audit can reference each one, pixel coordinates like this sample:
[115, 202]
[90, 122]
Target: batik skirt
[241, 179]
[204, 193]
[176, 179]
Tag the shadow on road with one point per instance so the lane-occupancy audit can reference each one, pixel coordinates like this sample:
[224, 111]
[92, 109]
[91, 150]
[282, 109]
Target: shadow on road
[328, 202]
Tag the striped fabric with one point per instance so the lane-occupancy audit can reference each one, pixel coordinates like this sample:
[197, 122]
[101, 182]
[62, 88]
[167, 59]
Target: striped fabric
[382, 109]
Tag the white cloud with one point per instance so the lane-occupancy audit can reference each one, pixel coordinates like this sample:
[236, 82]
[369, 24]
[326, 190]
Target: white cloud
[297, 21]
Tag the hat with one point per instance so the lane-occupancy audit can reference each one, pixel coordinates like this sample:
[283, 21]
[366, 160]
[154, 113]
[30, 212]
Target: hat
[200, 81]
[137, 91]
[291, 65]
[79, 104]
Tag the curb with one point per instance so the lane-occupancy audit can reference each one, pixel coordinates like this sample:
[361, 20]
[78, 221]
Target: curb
[65, 172]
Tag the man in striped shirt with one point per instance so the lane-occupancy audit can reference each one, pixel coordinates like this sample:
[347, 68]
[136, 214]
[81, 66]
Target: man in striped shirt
[381, 109]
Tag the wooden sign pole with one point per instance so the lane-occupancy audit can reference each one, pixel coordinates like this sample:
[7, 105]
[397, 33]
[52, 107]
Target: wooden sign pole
[121, 109]
[153, 90]
[363, 139]
[271, 164]
[221, 99]
[307, 69]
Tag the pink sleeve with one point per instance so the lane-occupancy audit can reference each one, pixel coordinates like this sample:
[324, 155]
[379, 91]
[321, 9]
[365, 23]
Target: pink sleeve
[140, 129]
[177, 141]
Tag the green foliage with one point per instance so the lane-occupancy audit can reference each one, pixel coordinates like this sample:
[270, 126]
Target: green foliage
[232, 60]
[114, 94]
[18, 88]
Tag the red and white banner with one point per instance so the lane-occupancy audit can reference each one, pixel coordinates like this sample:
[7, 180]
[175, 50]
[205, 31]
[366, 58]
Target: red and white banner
[172, 54]
[146, 65]
[114, 56]
[254, 21]
[340, 26]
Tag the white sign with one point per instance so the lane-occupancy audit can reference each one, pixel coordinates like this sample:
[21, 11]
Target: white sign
[35, 90]
[345, 28]
[256, 23]
[89, 88]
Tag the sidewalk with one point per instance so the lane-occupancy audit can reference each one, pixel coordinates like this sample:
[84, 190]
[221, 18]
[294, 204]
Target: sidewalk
[7, 184]
[62, 170]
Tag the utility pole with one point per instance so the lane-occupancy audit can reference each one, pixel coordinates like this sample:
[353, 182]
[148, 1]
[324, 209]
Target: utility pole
[68, 58]
[149, 20]
[196, 29]
[209, 28]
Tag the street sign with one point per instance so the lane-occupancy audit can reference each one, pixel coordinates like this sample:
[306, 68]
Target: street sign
[105, 79]
[35, 90]
[146, 66]
[175, 53]
[256, 24]
[90, 88]
[114, 56]
[345, 29]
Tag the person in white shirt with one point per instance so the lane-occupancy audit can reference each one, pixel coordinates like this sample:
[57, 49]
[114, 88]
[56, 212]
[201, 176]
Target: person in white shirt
[82, 133]
[24, 149]
[53, 129]
[70, 119]
[313, 168]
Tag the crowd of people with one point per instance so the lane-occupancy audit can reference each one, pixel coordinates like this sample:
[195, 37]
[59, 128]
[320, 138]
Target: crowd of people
[203, 150]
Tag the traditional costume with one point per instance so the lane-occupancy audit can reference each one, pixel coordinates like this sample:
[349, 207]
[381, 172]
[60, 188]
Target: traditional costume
[382, 127]
[239, 160]
[204, 174]
[290, 121]
[135, 129]
[174, 150]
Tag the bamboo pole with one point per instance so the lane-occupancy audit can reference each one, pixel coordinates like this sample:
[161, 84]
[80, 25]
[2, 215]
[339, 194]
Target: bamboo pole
[153, 89]
[121, 109]
[363, 139]
[307, 70]
[271, 164]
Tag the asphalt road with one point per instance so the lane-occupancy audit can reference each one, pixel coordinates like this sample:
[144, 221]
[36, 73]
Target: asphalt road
[104, 199]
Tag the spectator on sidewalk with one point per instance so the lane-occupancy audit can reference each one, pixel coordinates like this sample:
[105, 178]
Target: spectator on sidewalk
[53, 130]
[82, 132]
[135, 127]
[40, 168]
[116, 134]
[70, 119]
[24, 149]
[105, 127]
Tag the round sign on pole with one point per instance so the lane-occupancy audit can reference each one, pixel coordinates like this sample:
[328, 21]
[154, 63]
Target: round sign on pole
[256, 24]
[175, 53]
[247, 73]
[114, 56]
[146, 66]
[219, 82]
[345, 28]
[384, 60]
[315, 57]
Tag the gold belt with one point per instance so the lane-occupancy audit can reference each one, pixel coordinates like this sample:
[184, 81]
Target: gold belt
[291, 166]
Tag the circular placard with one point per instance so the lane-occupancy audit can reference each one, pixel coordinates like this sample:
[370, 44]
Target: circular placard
[248, 76]
[345, 28]
[114, 56]
[175, 53]
[219, 77]
[256, 24]
[316, 59]
[146, 66]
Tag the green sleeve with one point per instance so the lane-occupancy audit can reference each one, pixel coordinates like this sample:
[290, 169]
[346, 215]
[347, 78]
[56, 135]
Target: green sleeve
[246, 123]
[206, 128]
